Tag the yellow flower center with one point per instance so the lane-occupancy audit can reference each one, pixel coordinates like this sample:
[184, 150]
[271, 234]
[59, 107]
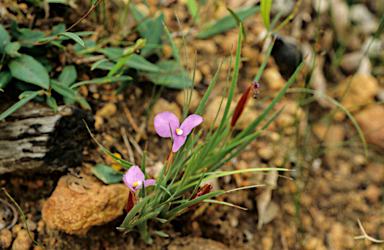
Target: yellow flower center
[136, 184]
[179, 131]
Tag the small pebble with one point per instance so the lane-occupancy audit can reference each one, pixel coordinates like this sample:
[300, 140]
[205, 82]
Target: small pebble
[266, 153]
[267, 242]
[22, 241]
[5, 238]
[372, 193]
[31, 225]
[40, 226]
[107, 111]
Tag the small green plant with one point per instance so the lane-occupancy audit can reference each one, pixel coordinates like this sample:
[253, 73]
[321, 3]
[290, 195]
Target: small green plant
[24, 64]
[191, 160]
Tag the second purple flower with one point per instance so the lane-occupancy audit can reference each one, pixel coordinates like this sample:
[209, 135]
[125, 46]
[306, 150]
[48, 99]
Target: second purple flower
[166, 122]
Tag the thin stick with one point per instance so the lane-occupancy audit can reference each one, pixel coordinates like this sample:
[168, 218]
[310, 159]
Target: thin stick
[126, 142]
[14, 211]
[132, 122]
[138, 149]
[141, 132]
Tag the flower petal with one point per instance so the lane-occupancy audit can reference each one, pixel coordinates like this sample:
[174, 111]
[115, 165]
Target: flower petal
[126, 181]
[136, 174]
[149, 182]
[133, 175]
[178, 141]
[189, 123]
[162, 122]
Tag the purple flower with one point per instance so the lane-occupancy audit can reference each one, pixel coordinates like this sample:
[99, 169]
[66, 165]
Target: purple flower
[134, 179]
[255, 90]
[166, 122]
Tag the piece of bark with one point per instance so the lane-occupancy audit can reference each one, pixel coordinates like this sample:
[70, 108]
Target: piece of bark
[41, 140]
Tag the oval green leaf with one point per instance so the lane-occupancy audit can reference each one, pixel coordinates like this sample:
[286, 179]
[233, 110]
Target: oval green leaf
[107, 174]
[5, 78]
[51, 102]
[28, 69]
[12, 49]
[4, 38]
[68, 75]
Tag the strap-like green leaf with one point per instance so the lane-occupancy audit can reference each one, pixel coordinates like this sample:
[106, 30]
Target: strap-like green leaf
[226, 23]
[265, 8]
[28, 95]
[70, 93]
[103, 80]
[73, 36]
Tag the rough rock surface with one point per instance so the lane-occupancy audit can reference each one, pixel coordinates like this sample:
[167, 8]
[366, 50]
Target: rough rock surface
[371, 122]
[22, 241]
[361, 89]
[80, 202]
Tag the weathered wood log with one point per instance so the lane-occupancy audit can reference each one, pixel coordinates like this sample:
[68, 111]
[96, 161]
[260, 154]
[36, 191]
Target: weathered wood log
[39, 139]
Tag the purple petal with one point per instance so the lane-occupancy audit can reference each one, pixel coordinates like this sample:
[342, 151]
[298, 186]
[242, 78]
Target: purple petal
[178, 142]
[125, 179]
[149, 182]
[162, 122]
[189, 123]
[133, 175]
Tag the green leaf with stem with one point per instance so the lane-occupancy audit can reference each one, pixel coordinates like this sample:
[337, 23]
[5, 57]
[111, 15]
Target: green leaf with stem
[27, 96]
[264, 63]
[343, 109]
[127, 54]
[289, 18]
[5, 78]
[174, 212]
[239, 23]
[119, 161]
[103, 80]
[12, 49]
[72, 36]
[68, 75]
[226, 23]
[224, 203]
[208, 92]
[4, 38]
[197, 185]
[265, 9]
[143, 219]
[51, 102]
[134, 211]
[234, 81]
[69, 93]
[107, 174]
[253, 125]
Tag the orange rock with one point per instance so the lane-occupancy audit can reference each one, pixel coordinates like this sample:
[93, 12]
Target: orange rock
[77, 204]
[371, 122]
